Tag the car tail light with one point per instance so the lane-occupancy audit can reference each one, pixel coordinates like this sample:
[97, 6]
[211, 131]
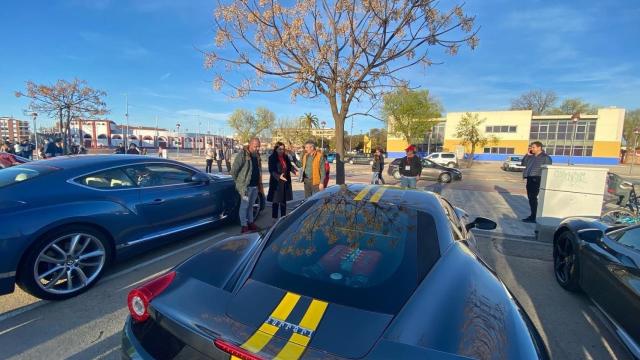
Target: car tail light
[139, 298]
[235, 350]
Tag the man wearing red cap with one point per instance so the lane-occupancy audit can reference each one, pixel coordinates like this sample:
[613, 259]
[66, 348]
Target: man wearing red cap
[410, 168]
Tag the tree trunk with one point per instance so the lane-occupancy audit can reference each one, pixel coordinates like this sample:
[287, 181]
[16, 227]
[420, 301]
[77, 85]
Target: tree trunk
[340, 175]
[473, 151]
[67, 135]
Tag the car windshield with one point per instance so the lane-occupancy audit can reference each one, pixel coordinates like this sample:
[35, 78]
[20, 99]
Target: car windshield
[349, 252]
[515, 158]
[17, 174]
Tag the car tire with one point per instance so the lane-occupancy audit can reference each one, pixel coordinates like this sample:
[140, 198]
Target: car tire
[451, 165]
[396, 175]
[565, 261]
[37, 274]
[444, 178]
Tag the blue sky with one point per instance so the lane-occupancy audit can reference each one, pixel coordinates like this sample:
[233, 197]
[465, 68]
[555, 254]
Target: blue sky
[148, 50]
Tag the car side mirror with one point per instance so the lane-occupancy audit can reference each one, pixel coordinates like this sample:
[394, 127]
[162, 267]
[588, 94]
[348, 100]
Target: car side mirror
[200, 178]
[482, 224]
[592, 236]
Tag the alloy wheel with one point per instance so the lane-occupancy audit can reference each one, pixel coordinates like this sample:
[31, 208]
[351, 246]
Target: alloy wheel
[564, 260]
[445, 178]
[69, 263]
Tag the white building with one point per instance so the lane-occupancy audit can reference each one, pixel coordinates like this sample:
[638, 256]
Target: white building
[103, 133]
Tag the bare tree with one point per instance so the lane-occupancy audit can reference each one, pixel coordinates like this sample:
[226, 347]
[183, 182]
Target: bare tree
[539, 101]
[65, 100]
[340, 50]
[572, 106]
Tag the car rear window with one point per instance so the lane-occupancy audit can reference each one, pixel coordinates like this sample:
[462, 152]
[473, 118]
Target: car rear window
[21, 173]
[354, 253]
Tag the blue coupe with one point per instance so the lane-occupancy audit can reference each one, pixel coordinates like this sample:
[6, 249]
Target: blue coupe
[64, 220]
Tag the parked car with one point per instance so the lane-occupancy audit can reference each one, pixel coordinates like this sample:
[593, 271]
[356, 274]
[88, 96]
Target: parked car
[513, 163]
[9, 160]
[447, 159]
[360, 159]
[355, 272]
[331, 157]
[430, 171]
[603, 261]
[63, 220]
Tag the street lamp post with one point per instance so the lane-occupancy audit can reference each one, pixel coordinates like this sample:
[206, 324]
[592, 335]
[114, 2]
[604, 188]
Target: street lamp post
[574, 118]
[323, 124]
[126, 116]
[178, 136]
[636, 132]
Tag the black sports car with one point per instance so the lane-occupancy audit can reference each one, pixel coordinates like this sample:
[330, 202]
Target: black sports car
[430, 171]
[603, 261]
[355, 272]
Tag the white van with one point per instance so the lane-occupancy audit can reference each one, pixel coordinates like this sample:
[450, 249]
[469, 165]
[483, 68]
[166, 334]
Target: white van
[447, 159]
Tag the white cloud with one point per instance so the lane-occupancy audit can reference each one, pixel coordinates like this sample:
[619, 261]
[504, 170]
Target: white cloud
[165, 76]
[203, 114]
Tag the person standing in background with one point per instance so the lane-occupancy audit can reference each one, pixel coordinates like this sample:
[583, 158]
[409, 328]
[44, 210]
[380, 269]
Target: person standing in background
[410, 168]
[209, 154]
[532, 173]
[377, 167]
[228, 152]
[219, 158]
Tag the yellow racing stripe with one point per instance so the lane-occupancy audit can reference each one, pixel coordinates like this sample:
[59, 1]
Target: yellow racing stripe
[363, 193]
[376, 197]
[298, 343]
[265, 333]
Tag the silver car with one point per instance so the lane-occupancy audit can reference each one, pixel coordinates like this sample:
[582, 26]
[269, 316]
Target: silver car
[513, 163]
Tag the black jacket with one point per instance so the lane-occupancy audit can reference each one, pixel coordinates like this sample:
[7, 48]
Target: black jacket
[378, 164]
[533, 164]
[414, 166]
[279, 191]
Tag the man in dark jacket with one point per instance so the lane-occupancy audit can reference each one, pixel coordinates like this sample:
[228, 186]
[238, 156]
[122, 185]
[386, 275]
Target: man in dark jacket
[532, 172]
[410, 168]
[247, 174]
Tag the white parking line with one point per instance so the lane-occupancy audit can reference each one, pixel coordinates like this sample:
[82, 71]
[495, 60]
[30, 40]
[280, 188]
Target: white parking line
[37, 304]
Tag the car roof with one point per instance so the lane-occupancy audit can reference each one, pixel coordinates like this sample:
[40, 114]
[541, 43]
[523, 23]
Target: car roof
[421, 200]
[97, 161]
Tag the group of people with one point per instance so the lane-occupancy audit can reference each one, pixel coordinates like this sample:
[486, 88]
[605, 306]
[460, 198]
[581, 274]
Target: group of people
[132, 150]
[22, 148]
[311, 170]
[217, 154]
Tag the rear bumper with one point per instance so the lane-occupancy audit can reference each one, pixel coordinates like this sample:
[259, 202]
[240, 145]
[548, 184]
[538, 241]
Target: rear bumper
[131, 347]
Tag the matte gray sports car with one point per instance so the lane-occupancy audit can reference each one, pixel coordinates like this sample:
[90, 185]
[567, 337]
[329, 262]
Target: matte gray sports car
[354, 272]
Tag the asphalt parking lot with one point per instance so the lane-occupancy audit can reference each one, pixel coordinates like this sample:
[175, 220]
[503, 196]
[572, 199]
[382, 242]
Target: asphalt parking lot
[88, 326]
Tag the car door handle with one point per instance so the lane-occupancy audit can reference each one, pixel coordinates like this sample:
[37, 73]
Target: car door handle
[157, 202]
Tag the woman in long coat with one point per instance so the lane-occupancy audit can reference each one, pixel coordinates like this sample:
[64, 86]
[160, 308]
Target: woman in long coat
[280, 189]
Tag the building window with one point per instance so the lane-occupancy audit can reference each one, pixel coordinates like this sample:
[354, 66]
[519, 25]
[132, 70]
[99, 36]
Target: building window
[560, 136]
[499, 150]
[501, 129]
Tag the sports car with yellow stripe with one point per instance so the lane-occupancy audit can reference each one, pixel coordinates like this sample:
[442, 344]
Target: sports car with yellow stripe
[355, 272]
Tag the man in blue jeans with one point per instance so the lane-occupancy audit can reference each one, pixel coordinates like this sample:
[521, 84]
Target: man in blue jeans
[247, 173]
[532, 173]
[410, 168]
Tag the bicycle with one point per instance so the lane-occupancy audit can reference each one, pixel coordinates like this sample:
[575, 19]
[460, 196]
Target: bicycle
[628, 214]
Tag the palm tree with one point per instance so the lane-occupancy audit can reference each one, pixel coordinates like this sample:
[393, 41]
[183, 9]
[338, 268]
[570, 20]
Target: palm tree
[310, 121]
